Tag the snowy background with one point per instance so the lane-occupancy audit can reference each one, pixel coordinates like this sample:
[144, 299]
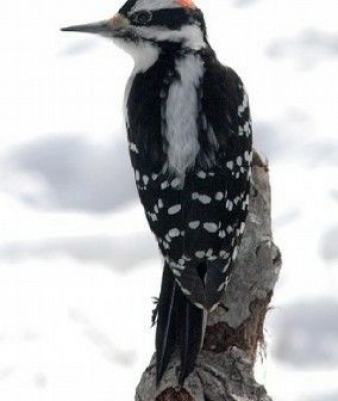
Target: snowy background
[78, 266]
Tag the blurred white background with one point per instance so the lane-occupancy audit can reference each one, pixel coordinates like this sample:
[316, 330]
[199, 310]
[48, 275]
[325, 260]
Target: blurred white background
[78, 266]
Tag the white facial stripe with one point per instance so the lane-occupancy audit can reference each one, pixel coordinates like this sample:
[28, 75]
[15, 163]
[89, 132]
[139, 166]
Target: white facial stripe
[191, 35]
[144, 54]
[154, 5]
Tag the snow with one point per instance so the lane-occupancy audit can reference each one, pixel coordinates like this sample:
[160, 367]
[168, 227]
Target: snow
[78, 266]
[63, 335]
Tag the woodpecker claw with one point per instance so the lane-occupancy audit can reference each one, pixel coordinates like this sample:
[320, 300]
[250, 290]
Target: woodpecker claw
[154, 312]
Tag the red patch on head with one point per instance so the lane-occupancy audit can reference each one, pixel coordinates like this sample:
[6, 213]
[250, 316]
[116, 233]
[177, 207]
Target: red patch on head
[186, 3]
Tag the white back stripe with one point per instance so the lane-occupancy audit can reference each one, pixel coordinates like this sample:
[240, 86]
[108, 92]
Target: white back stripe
[181, 112]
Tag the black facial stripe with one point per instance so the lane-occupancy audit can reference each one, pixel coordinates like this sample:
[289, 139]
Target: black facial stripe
[124, 10]
[171, 18]
[168, 18]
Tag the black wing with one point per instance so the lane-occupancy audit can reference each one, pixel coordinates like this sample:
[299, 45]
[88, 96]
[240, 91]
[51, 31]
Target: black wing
[198, 226]
[213, 207]
[203, 222]
[217, 192]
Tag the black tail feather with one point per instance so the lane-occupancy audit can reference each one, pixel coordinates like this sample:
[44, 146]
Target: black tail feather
[179, 326]
[166, 327]
[190, 327]
[184, 339]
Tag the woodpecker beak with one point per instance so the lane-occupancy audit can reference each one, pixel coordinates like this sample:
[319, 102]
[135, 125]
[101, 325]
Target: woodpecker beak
[108, 28]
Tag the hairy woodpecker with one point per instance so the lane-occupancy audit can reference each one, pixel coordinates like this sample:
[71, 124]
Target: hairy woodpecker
[190, 142]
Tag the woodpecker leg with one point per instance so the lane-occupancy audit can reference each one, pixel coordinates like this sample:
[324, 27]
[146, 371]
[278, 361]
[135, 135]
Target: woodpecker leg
[154, 312]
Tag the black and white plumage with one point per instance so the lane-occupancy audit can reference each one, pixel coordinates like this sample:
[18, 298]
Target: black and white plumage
[190, 142]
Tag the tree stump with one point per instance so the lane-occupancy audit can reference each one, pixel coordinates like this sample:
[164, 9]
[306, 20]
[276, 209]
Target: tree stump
[224, 368]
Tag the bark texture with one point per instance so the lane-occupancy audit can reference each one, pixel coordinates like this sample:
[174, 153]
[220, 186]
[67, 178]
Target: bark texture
[224, 368]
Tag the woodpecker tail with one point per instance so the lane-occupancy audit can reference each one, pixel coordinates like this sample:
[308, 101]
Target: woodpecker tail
[180, 325]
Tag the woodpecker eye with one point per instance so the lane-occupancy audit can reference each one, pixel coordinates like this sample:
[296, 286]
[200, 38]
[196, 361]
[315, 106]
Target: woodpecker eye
[142, 18]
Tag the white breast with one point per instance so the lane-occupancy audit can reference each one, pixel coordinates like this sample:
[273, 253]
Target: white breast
[181, 114]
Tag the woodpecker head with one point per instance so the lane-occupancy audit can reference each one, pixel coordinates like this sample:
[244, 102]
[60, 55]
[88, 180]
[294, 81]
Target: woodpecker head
[152, 24]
